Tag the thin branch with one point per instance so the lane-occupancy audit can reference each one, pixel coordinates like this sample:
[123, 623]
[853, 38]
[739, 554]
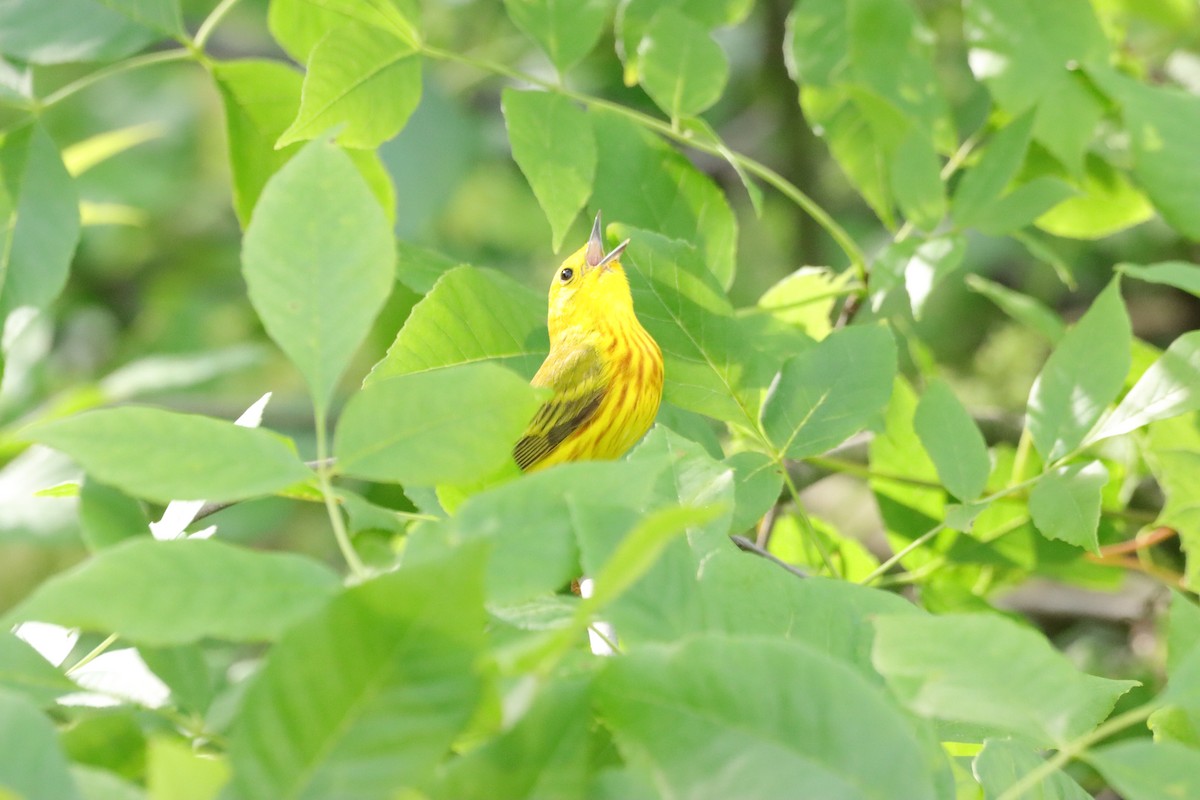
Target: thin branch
[211, 22]
[137, 62]
[750, 547]
[1140, 542]
[766, 525]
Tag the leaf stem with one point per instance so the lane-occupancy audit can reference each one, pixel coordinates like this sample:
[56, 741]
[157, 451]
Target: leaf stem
[137, 62]
[96, 652]
[211, 22]
[902, 552]
[809, 530]
[1076, 747]
[685, 137]
[324, 468]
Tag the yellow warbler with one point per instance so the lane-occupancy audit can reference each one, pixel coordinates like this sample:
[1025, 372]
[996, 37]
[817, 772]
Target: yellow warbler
[605, 371]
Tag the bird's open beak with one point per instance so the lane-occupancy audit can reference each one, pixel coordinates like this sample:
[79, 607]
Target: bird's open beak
[595, 256]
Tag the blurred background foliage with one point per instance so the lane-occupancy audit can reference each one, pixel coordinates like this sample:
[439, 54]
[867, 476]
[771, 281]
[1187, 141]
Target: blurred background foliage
[156, 306]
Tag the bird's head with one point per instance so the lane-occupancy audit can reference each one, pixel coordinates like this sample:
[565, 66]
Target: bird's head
[590, 285]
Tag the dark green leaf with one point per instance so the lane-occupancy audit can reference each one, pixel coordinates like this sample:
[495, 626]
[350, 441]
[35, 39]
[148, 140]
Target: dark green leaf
[31, 763]
[164, 456]
[319, 262]
[1023, 205]
[984, 183]
[566, 30]
[445, 426]
[177, 592]
[641, 181]
[366, 697]
[986, 671]
[820, 733]
[1065, 503]
[816, 402]
[552, 143]
[1003, 762]
[635, 16]
[682, 68]
[67, 30]
[362, 81]
[953, 441]
[39, 219]
[470, 315]
[1082, 376]
[1144, 770]
[23, 671]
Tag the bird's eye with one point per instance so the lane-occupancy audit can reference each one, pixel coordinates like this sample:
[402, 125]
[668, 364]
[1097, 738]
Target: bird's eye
[566, 274]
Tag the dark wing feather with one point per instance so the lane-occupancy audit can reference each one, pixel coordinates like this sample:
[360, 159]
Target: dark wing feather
[576, 379]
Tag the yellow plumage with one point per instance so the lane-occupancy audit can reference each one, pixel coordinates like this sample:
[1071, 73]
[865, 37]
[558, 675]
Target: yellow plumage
[605, 371]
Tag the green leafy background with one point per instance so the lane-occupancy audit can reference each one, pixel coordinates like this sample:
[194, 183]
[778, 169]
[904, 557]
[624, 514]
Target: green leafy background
[919, 516]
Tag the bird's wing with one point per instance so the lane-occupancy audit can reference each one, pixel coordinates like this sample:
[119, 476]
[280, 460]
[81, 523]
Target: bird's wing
[576, 377]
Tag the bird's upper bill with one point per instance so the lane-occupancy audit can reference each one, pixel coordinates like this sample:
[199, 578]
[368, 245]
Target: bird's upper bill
[595, 255]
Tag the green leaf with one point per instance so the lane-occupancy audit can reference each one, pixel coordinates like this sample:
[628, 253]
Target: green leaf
[162, 593]
[1180, 274]
[360, 78]
[23, 671]
[447, 426]
[164, 456]
[1183, 630]
[318, 260]
[176, 771]
[1108, 204]
[634, 16]
[1144, 770]
[1161, 122]
[99, 784]
[683, 709]
[953, 441]
[916, 183]
[366, 697]
[987, 671]
[1173, 455]
[260, 98]
[553, 144]
[1026, 310]
[1023, 205]
[757, 484]
[1170, 387]
[300, 25]
[983, 184]
[566, 30]
[643, 182]
[108, 516]
[1082, 376]
[544, 755]
[1003, 762]
[540, 555]
[806, 299]
[470, 315]
[711, 363]
[39, 219]
[162, 15]
[920, 266]
[31, 762]
[683, 70]
[66, 31]
[1028, 53]
[882, 46]
[1065, 503]
[816, 402]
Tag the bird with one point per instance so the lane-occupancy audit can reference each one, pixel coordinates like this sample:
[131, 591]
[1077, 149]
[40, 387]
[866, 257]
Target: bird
[604, 370]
